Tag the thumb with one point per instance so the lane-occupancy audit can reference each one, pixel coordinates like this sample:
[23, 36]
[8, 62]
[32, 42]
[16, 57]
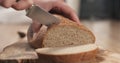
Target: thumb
[75, 18]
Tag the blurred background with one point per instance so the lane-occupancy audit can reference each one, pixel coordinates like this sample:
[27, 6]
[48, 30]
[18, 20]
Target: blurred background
[96, 9]
[100, 16]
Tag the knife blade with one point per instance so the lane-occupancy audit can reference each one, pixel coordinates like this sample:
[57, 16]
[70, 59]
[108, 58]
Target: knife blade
[38, 14]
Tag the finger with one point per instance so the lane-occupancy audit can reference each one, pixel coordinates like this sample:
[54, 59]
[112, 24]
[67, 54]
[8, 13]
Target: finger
[74, 17]
[7, 3]
[70, 13]
[66, 11]
[36, 26]
[22, 4]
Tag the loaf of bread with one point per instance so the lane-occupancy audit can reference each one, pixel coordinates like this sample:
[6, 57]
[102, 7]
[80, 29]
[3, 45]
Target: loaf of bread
[75, 54]
[66, 42]
[66, 33]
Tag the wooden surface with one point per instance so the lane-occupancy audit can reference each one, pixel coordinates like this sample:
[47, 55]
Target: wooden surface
[107, 57]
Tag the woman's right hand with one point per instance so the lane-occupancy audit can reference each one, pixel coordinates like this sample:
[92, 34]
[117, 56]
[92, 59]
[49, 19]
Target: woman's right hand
[57, 7]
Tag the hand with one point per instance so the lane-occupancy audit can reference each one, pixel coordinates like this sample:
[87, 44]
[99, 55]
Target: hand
[20, 5]
[55, 6]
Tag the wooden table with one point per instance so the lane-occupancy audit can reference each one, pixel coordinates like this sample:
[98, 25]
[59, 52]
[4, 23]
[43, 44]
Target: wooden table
[107, 33]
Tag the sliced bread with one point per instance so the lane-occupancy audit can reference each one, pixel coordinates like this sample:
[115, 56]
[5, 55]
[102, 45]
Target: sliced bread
[66, 33]
[76, 54]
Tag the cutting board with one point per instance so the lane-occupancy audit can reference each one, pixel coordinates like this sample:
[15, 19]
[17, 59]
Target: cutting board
[21, 52]
[105, 56]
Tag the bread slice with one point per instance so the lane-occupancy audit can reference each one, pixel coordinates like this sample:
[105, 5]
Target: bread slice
[66, 33]
[75, 54]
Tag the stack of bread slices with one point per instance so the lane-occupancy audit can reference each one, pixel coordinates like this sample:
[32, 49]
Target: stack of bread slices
[66, 42]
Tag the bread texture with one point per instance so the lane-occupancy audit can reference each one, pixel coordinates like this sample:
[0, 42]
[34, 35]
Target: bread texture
[75, 54]
[66, 33]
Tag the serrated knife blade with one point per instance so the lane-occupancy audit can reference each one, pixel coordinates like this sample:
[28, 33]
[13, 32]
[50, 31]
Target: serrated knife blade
[38, 14]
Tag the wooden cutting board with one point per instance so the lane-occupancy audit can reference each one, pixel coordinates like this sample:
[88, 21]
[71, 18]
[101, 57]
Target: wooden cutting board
[107, 57]
[21, 52]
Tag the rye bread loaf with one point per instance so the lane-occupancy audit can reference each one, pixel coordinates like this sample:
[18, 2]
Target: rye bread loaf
[75, 54]
[66, 33]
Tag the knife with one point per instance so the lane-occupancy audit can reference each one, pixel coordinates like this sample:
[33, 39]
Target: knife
[38, 14]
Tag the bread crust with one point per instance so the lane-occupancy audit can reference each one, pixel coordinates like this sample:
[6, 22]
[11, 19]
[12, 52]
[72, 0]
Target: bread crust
[38, 39]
